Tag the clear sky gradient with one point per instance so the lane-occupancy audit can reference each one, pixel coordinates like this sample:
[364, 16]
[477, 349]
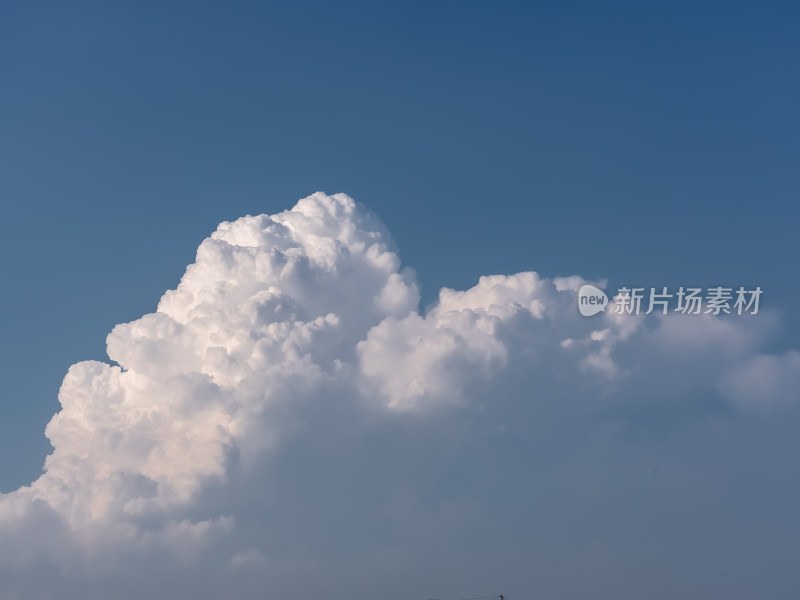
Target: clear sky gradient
[649, 145]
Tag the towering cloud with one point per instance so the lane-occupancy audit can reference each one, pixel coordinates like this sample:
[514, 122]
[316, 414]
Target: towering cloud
[284, 318]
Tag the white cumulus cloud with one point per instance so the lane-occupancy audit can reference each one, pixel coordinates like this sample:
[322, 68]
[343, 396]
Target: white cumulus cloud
[307, 321]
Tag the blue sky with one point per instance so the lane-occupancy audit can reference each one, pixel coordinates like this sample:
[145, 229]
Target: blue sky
[649, 145]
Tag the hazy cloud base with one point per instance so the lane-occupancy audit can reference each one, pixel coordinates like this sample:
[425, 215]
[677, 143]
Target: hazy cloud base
[288, 423]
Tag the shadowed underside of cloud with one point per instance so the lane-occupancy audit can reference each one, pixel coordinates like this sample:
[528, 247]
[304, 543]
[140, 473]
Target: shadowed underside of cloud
[288, 420]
